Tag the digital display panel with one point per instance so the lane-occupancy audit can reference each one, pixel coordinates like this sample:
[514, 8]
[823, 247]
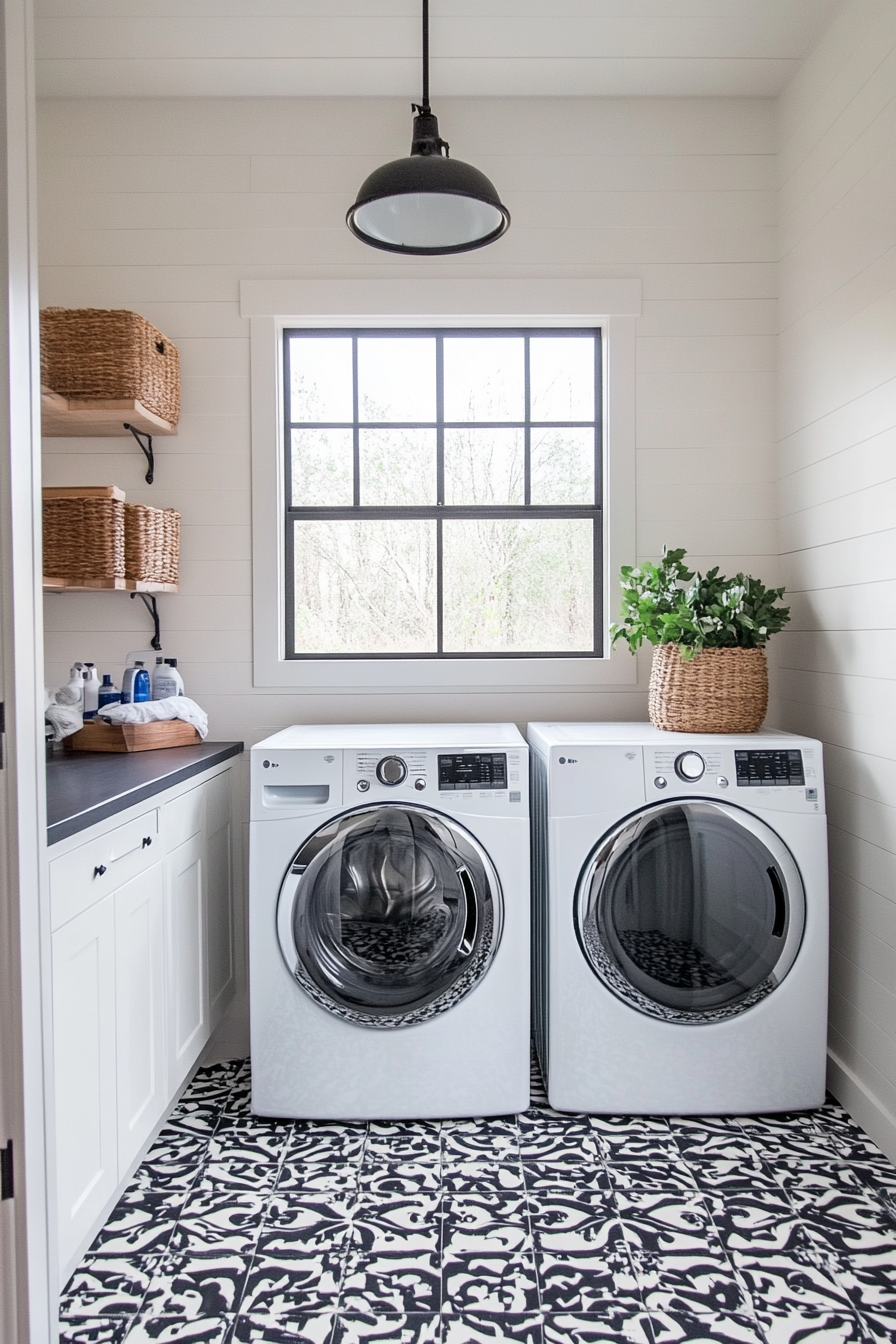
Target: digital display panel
[473, 770]
[765, 769]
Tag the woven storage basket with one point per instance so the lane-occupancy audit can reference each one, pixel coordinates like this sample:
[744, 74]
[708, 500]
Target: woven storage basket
[84, 536]
[96, 354]
[717, 691]
[151, 544]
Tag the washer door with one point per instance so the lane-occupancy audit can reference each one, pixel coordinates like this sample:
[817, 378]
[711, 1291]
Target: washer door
[389, 915]
[690, 911]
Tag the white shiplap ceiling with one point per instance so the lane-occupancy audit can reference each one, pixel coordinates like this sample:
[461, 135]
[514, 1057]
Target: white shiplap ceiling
[337, 48]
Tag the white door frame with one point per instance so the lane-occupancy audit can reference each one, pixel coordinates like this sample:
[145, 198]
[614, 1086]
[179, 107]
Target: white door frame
[27, 1288]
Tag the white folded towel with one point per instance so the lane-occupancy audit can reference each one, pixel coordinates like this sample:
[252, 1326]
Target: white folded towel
[153, 711]
[64, 720]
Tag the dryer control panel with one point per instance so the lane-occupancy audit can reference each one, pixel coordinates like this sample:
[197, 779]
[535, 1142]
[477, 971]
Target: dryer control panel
[769, 769]
[781, 778]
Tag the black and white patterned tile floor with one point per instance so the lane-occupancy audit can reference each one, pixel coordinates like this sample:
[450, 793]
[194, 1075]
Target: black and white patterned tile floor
[539, 1228]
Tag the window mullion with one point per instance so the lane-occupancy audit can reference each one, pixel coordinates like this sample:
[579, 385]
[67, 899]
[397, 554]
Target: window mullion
[287, 430]
[356, 433]
[527, 428]
[440, 420]
[288, 523]
[597, 584]
[440, 620]
[440, 485]
[598, 422]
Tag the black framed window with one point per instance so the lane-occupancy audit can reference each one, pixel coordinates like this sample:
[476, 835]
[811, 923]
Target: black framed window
[443, 493]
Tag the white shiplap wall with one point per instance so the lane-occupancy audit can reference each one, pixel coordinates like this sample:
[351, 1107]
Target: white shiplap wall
[837, 663]
[163, 206]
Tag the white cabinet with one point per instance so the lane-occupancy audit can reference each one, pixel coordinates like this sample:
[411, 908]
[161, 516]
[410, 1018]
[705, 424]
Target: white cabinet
[141, 1016]
[142, 970]
[187, 970]
[84, 1069]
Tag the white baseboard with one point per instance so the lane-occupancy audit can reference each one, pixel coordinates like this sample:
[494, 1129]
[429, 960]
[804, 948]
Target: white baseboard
[877, 1122]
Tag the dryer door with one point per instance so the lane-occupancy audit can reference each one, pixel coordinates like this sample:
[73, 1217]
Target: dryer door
[389, 915]
[691, 910]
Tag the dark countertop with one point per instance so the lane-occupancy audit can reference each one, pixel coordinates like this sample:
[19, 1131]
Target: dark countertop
[84, 787]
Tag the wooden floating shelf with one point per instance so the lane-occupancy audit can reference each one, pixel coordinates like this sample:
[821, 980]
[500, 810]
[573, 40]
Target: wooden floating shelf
[83, 492]
[52, 585]
[69, 418]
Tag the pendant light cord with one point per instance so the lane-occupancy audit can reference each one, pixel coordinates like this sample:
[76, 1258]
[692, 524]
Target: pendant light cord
[426, 138]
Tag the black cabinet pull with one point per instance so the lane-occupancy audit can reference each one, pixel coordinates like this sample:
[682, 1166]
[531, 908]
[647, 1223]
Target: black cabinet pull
[99, 870]
[147, 840]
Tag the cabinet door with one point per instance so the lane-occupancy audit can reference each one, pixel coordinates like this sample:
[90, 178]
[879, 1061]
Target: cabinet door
[140, 1010]
[83, 955]
[219, 921]
[188, 1028]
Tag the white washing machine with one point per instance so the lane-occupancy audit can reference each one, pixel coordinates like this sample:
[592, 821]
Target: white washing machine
[389, 921]
[681, 919]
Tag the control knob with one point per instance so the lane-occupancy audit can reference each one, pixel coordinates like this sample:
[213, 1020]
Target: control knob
[690, 766]
[391, 770]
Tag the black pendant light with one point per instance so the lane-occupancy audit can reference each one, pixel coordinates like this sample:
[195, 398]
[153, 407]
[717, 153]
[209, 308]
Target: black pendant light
[427, 205]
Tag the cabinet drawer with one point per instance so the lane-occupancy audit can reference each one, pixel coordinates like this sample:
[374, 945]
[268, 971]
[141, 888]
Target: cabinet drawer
[182, 818]
[91, 871]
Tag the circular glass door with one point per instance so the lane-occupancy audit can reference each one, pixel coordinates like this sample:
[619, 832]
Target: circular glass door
[690, 911]
[389, 915]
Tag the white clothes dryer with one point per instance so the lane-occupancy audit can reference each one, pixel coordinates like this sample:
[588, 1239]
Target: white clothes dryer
[681, 919]
[389, 921]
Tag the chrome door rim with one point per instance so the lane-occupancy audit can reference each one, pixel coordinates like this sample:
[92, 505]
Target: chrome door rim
[609, 973]
[488, 931]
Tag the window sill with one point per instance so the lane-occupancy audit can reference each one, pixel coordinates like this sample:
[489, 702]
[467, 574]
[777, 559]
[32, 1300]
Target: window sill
[423, 676]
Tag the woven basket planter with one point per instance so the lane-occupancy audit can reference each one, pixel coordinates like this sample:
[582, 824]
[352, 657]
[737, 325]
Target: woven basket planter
[716, 691]
[84, 536]
[151, 544]
[96, 354]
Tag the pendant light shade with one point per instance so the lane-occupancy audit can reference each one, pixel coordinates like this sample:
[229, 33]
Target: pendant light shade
[427, 204]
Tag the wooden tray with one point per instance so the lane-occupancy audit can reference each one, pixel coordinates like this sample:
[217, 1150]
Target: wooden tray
[96, 736]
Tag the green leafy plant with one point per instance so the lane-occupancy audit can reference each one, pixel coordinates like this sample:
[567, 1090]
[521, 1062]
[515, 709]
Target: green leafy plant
[671, 604]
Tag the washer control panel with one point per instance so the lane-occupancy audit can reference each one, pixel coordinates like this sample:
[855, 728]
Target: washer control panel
[389, 769]
[454, 777]
[465, 770]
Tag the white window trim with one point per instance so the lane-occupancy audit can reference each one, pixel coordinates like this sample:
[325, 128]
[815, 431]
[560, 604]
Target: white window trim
[273, 305]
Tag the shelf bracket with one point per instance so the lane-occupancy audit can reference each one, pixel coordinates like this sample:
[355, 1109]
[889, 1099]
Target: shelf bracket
[145, 448]
[152, 606]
